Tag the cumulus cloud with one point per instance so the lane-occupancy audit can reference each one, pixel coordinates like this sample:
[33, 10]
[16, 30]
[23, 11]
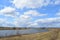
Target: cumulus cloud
[4, 23]
[22, 21]
[25, 19]
[9, 15]
[57, 2]
[34, 3]
[30, 3]
[34, 13]
[47, 22]
[58, 13]
[9, 11]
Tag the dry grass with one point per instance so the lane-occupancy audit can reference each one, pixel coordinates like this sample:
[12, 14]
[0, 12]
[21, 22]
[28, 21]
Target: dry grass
[54, 34]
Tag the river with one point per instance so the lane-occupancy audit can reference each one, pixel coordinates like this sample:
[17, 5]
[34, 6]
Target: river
[4, 33]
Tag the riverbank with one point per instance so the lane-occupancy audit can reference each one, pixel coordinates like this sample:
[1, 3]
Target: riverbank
[53, 34]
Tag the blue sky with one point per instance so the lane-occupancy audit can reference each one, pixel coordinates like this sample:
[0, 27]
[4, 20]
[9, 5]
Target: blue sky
[29, 13]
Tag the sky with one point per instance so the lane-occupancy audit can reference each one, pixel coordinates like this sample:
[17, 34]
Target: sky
[30, 13]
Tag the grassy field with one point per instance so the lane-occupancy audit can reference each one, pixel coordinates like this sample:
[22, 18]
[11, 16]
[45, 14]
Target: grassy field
[53, 34]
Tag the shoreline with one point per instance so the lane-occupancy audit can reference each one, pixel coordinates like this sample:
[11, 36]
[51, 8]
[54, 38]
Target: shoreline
[53, 34]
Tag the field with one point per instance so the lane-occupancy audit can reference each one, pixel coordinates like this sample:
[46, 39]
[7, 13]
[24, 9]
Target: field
[53, 34]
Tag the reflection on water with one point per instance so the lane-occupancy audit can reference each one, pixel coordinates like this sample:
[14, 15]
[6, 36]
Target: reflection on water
[4, 33]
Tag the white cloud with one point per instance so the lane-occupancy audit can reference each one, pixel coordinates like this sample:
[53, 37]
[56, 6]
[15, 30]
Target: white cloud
[30, 3]
[57, 2]
[26, 18]
[33, 25]
[23, 20]
[47, 22]
[34, 3]
[9, 11]
[58, 13]
[1, 20]
[34, 13]
[4, 22]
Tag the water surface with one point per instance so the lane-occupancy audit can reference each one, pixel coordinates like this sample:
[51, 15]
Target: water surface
[4, 33]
